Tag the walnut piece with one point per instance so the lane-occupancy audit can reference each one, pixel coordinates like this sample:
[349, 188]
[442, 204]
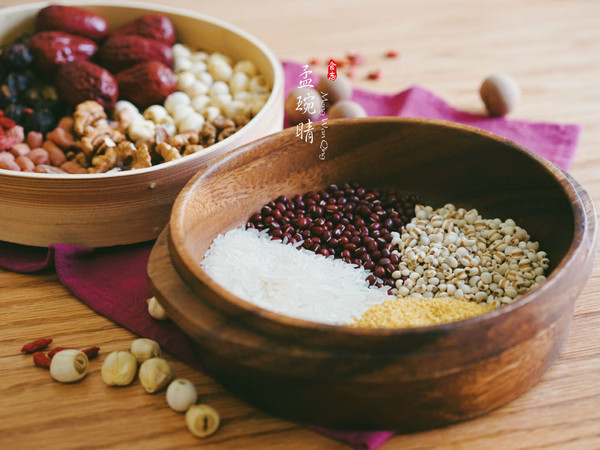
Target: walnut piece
[223, 122]
[226, 132]
[191, 149]
[81, 159]
[102, 145]
[124, 154]
[168, 152]
[106, 157]
[96, 134]
[141, 156]
[184, 138]
[87, 114]
[208, 134]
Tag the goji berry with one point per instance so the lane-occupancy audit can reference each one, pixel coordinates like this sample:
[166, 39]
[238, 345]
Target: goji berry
[91, 352]
[313, 62]
[42, 360]
[34, 346]
[54, 351]
[356, 59]
[375, 75]
[391, 54]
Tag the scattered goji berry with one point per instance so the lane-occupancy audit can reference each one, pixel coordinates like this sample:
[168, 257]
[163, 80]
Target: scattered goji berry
[34, 346]
[391, 54]
[342, 63]
[91, 352]
[314, 61]
[375, 75]
[28, 111]
[54, 351]
[42, 360]
[356, 59]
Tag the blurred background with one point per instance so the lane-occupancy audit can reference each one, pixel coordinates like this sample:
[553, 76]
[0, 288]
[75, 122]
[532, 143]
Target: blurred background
[448, 47]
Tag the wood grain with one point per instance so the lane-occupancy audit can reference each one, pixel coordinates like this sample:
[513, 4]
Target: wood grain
[552, 48]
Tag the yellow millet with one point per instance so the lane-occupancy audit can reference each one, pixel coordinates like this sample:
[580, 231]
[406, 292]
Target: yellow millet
[417, 312]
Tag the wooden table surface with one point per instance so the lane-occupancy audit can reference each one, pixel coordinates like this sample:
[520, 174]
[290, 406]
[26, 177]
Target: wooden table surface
[551, 47]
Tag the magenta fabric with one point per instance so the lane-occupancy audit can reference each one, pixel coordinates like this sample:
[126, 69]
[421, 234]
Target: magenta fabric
[112, 281]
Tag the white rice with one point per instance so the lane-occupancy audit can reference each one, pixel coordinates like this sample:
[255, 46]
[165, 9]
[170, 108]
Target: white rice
[288, 281]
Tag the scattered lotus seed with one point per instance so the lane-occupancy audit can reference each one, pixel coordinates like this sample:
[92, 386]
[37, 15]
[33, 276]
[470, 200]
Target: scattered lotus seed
[303, 103]
[346, 108]
[69, 365]
[155, 309]
[500, 94]
[336, 90]
[143, 349]
[155, 374]
[181, 394]
[202, 420]
[119, 369]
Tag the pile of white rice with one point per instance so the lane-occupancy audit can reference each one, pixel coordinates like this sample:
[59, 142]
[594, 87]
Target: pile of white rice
[293, 282]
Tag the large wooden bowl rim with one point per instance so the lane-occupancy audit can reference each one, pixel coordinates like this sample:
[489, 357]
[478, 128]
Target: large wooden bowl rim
[183, 255]
[151, 7]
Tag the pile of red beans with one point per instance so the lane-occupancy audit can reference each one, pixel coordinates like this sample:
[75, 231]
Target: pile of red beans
[348, 222]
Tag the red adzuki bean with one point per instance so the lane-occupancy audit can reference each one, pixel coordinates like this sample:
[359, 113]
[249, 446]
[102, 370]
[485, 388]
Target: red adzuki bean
[349, 222]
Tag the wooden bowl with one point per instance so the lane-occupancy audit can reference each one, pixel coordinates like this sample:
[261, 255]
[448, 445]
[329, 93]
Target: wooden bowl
[405, 379]
[132, 206]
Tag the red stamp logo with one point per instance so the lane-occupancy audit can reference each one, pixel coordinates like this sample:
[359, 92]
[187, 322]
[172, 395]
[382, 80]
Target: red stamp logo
[331, 70]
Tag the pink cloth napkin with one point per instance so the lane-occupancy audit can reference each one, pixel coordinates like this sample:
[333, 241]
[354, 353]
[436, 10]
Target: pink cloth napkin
[112, 281]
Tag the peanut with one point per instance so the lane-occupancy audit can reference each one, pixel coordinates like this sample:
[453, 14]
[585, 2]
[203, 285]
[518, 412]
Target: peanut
[35, 139]
[20, 149]
[72, 167]
[57, 156]
[61, 137]
[6, 156]
[38, 156]
[9, 165]
[25, 163]
[66, 123]
[18, 132]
